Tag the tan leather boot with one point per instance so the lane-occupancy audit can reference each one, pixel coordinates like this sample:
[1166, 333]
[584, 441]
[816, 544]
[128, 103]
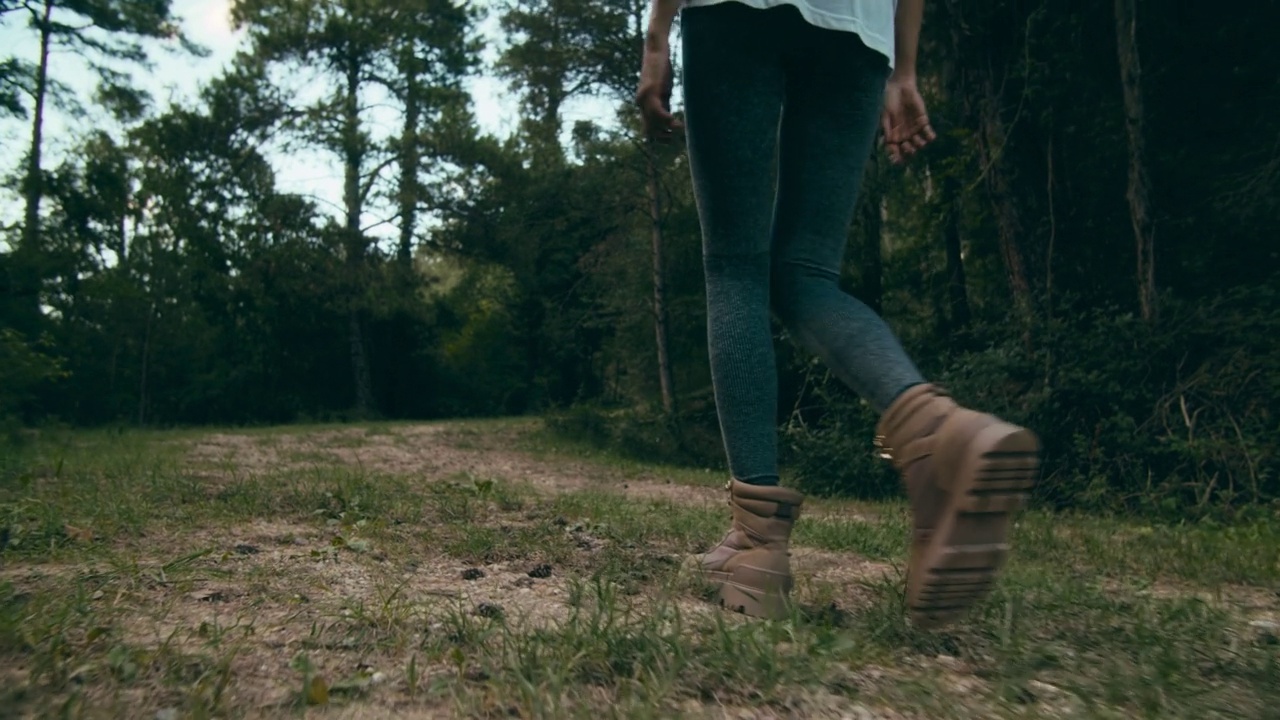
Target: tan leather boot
[966, 474]
[751, 567]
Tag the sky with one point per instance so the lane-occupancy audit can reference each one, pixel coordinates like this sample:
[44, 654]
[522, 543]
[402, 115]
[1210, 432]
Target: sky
[176, 78]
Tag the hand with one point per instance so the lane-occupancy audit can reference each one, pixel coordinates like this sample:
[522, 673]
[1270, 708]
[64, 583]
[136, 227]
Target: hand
[654, 96]
[904, 120]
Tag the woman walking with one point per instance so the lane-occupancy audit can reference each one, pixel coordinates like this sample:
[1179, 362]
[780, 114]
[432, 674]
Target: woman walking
[806, 83]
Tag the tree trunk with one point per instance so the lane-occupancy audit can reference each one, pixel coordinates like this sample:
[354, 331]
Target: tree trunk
[957, 287]
[26, 273]
[410, 160]
[871, 225]
[1139, 188]
[1050, 193]
[360, 364]
[666, 380]
[353, 151]
[146, 361]
[992, 138]
[33, 189]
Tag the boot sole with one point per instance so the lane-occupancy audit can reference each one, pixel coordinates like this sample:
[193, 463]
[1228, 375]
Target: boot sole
[755, 592]
[993, 482]
[748, 590]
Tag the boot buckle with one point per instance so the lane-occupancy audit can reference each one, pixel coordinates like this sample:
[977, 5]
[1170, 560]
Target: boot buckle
[885, 452]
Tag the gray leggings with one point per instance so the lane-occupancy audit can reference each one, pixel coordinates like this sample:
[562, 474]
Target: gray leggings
[760, 86]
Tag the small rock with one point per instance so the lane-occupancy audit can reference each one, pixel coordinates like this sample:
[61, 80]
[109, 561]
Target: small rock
[949, 662]
[246, 550]
[97, 595]
[542, 571]
[489, 610]
[1044, 688]
[472, 574]
[167, 714]
[207, 596]
[859, 712]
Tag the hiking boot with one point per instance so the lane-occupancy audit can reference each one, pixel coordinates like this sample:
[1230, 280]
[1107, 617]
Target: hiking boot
[751, 567]
[966, 474]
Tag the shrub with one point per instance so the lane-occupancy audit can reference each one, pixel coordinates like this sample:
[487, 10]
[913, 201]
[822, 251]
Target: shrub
[1178, 416]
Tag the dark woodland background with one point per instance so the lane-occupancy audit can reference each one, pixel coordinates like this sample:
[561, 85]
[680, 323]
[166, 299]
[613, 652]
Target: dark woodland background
[1089, 248]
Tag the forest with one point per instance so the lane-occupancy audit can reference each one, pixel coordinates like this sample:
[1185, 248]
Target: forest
[1088, 249]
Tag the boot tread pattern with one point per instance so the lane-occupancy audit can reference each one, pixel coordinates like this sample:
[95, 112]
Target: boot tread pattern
[964, 558]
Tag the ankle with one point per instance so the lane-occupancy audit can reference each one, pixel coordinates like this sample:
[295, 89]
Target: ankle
[760, 480]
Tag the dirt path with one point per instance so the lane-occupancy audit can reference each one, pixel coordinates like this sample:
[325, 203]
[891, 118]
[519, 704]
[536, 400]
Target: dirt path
[250, 576]
[435, 452]
[284, 554]
[432, 452]
[440, 452]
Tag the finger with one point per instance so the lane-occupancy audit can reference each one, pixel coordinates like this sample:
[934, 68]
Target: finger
[886, 125]
[925, 135]
[659, 128]
[654, 114]
[897, 132]
[922, 131]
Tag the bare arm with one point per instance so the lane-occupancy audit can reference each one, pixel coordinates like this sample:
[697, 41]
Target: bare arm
[661, 14]
[904, 120]
[906, 37]
[656, 77]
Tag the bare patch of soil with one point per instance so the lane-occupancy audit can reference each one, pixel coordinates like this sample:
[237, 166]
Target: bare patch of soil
[434, 452]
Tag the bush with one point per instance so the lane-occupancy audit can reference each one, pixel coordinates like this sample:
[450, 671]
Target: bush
[24, 368]
[644, 433]
[1179, 416]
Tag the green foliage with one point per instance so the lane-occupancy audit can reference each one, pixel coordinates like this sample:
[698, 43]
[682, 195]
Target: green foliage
[476, 363]
[1174, 417]
[176, 282]
[690, 439]
[25, 368]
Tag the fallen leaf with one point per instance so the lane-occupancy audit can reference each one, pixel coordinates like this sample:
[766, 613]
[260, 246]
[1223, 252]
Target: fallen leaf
[318, 691]
[77, 534]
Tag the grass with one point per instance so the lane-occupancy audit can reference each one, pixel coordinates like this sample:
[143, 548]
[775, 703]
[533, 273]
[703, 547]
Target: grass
[266, 573]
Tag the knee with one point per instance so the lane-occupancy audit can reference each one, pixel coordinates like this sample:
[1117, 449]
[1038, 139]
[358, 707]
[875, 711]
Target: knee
[796, 294]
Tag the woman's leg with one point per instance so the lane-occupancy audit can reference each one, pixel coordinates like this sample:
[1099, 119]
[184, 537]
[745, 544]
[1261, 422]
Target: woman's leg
[734, 86]
[829, 124]
[966, 472]
[734, 89]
